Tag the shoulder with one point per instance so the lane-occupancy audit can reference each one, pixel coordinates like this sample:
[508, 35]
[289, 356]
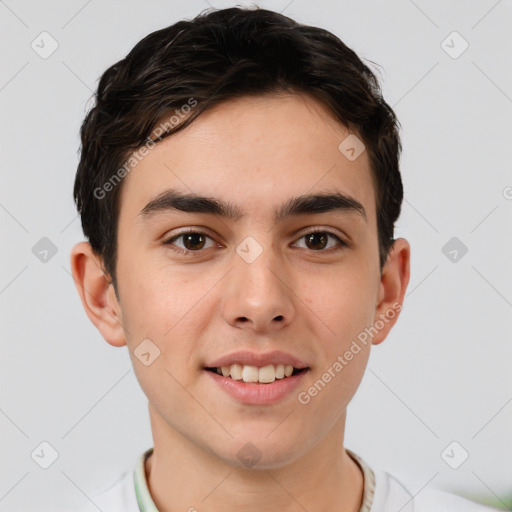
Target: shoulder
[391, 493]
[118, 497]
[124, 494]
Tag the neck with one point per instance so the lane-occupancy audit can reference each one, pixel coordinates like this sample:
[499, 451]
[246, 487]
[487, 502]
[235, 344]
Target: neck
[183, 476]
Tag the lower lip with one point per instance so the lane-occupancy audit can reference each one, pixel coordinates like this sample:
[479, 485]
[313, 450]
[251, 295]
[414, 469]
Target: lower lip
[258, 394]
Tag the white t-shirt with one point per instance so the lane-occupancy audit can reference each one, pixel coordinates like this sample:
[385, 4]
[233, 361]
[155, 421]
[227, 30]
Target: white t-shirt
[382, 493]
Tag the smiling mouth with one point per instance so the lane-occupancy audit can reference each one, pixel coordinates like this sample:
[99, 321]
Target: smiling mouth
[254, 374]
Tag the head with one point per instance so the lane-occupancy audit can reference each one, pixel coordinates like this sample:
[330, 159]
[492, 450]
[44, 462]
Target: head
[237, 119]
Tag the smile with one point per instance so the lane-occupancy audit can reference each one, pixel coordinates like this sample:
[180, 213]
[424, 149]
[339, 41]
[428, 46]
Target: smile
[256, 392]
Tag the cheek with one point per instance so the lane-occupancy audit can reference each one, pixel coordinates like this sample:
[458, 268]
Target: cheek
[156, 299]
[168, 308]
[161, 321]
[343, 302]
[343, 354]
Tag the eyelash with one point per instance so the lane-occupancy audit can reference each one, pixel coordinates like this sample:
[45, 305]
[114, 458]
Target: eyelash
[186, 252]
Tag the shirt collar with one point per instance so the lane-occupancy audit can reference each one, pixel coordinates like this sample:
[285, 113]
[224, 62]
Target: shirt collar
[144, 499]
[368, 481]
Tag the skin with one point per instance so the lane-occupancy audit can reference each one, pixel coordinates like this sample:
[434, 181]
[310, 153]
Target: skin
[256, 152]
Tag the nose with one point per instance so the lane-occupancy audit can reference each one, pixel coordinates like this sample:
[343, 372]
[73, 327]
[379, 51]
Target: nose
[258, 294]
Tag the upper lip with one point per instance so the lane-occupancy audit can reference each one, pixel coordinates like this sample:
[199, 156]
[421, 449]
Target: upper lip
[246, 357]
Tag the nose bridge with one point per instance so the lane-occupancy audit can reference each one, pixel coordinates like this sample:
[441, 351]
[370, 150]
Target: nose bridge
[257, 265]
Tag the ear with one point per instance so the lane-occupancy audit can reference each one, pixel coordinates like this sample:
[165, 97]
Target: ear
[393, 284]
[97, 293]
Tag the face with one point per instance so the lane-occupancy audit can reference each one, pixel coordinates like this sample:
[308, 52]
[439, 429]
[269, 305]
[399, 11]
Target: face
[252, 288]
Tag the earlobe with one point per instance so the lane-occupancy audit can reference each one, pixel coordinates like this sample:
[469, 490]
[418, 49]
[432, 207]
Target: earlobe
[97, 293]
[393, 284]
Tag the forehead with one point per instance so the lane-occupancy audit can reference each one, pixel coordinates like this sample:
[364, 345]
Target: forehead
[253, 151]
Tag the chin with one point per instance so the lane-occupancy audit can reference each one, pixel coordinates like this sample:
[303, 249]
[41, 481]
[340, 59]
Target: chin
[258, 453]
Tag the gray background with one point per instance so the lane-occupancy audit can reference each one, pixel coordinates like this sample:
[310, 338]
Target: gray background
[443, 374]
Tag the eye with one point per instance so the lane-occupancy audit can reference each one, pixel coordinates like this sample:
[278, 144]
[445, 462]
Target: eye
[193, 241]
[318, 240]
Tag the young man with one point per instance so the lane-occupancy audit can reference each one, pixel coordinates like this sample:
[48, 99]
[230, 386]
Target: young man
[239, 184]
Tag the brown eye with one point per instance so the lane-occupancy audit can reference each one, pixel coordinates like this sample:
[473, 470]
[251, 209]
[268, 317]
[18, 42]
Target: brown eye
[316, 241]
[191, 241]
[319, 241]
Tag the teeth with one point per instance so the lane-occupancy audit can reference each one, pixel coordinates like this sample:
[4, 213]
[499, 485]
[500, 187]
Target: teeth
[250, 374]
[264, 375]
[267, 374]
[236, 371]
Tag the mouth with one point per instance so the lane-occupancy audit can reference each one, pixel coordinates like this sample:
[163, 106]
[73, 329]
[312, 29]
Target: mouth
[257, 385]
[258, 375]
[253, 378]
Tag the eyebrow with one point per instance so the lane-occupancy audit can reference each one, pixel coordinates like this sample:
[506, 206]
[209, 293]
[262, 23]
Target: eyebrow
[171, 199]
